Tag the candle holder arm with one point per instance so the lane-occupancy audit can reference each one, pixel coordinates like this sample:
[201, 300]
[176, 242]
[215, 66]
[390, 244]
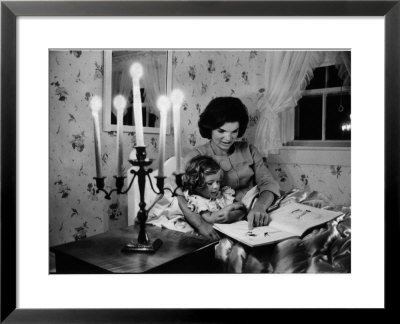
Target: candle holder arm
[160, 183]
[130, 184]
[162, 189]
[119, 183]
[100, 187]
[179, 183]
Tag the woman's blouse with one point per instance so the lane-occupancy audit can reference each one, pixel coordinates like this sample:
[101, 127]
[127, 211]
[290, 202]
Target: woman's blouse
[243, 169]
[200, 204]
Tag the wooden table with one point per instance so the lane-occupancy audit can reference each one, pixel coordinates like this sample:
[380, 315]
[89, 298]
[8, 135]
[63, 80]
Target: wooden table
[179, 253]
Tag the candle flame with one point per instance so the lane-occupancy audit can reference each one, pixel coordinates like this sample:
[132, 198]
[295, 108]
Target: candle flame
[163, 103]
[95, 104]
[119, 102]
[136, 70]
[346, 127]
[177, 97]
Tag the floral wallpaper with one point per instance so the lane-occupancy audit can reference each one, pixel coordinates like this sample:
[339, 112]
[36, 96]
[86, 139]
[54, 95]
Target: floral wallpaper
[204, 75]
[331, 180]
[76, 209]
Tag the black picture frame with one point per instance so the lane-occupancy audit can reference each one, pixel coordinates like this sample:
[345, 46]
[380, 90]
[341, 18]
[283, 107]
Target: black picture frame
[10, 10]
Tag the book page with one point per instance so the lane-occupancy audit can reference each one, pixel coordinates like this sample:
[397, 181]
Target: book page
[257, 236]
[297, 218]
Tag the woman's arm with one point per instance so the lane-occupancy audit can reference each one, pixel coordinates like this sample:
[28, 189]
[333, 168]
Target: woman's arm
[268, 188]
[203, 227]
[263, 177]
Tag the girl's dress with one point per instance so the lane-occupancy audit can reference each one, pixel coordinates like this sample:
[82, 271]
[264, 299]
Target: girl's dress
[167, 213]
[200, 204]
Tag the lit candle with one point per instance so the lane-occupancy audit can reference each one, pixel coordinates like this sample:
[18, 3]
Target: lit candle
[119, 105]
[136, 73]
[177, 100]
[95, 106]
[163, 104]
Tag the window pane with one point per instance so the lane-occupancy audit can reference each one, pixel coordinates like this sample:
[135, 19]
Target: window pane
[308, 118]
[338, 122]
[318, 81]
[333, 77]
[128, 112]
[155, 65]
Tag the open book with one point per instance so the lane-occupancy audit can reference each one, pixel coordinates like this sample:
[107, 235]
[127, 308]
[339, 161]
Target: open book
[291, 220]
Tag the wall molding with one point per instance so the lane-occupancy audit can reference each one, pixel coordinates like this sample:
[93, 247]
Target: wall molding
[312, 156]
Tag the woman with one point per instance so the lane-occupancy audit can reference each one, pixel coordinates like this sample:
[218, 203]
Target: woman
[223, 121]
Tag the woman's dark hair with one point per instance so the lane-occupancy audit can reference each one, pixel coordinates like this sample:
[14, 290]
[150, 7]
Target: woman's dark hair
[223, 110]
[196, 170]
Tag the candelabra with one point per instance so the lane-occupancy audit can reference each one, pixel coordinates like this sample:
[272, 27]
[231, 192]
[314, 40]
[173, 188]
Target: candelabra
[143, 243]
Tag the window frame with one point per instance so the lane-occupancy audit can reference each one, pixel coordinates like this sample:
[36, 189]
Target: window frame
[323, 142]
[107, 100]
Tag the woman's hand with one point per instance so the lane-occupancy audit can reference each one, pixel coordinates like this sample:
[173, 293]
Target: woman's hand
[257, 217]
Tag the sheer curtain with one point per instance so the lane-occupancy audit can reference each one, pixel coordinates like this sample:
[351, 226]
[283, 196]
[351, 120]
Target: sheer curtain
[287, 73]
[154, 76]
[155, 67]
[343, 64]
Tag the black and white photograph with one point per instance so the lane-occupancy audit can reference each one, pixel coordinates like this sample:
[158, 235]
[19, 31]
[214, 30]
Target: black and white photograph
[199, 161]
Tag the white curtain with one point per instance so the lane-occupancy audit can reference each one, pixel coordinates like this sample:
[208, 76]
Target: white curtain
[287, 74]
[154, 75]
[155, 84]
[343, 64]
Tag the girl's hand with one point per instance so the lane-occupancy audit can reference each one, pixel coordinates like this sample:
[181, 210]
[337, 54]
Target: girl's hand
[219, 216]
[228, 214]
[207, 231]
[237, 205]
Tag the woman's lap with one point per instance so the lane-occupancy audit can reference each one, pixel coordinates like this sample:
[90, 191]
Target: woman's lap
[285, 257]
[324, 250]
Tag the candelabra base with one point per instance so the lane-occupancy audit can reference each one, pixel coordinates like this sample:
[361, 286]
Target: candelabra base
[149, 247]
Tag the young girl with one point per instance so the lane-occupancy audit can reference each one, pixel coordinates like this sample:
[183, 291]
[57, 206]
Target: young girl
[204, 195]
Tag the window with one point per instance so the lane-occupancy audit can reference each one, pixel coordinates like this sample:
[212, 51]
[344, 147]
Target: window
[322, 116]
[117, 80]
[149, 118]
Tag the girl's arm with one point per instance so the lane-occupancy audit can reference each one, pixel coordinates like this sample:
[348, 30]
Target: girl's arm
[202, 226]
[228, 214]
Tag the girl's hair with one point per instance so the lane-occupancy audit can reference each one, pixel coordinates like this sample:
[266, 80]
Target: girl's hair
[196, 170]
[223, 110]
